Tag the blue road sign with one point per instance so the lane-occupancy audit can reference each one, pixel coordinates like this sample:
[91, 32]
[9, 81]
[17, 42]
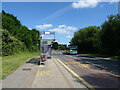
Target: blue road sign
[47, 32]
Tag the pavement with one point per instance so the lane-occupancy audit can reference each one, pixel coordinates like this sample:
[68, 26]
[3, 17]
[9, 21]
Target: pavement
[50, 75]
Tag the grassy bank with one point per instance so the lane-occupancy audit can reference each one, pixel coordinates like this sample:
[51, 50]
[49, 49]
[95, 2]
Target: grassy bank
[11, 63]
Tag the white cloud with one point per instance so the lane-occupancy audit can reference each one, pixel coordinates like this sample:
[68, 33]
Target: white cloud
[62, 26]
[68, 37]
[71, 28]
[85, 4]
[44, 26]
[67, 27]
[59, 30]
[63, 29]
[112, 1]
[30, 28]
[89, 3]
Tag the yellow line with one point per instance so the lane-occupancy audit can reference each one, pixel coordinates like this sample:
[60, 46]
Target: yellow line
[85, 65]
[76, 66]
[80, 66]
[81, 79]
[37, 74]
[114, 75]
[44, 73]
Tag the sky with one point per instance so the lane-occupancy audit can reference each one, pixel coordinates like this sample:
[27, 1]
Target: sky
[64, 18]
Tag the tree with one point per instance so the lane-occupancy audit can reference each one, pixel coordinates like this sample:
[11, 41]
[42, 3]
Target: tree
[63, 46]
[10, 44]
[110, 35]
[17, 36]
[87, 39]
[55, 45]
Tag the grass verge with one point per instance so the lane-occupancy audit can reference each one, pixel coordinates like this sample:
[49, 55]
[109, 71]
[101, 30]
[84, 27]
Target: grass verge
[12, 62]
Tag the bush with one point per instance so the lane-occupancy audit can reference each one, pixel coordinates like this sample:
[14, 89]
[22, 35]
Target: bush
[11, 45]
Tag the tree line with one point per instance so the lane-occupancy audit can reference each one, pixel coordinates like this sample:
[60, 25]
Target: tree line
[17, 37]
[57, 46]
[103, 39]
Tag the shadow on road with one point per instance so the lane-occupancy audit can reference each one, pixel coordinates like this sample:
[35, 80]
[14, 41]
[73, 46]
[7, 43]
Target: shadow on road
[108, 65]
[33, 60]
[102, 80]
[88, 56]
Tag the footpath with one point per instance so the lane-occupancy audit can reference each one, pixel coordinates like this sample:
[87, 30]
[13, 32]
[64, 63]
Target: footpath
[50, 75]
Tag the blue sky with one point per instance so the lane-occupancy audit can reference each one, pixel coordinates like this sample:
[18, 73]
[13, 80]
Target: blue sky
[62, 17]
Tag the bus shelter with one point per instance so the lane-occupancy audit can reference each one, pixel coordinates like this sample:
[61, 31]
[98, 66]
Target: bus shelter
[46, 46]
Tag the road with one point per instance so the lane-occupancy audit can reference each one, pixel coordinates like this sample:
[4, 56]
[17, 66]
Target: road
[99, 73]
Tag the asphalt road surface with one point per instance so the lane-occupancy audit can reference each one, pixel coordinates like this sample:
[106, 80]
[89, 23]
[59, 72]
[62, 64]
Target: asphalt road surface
[99, 73]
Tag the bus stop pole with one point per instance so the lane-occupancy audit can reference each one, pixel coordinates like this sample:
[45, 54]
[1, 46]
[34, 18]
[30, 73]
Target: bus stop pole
[40, 49]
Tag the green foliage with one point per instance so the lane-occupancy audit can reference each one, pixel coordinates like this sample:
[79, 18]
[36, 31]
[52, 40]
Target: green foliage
[35, 36]
[17, 37]
[87, 39]
[11, 45]
[55, 45]
[110, 35]
[63, 46]
[9, 22]
[104, 39]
